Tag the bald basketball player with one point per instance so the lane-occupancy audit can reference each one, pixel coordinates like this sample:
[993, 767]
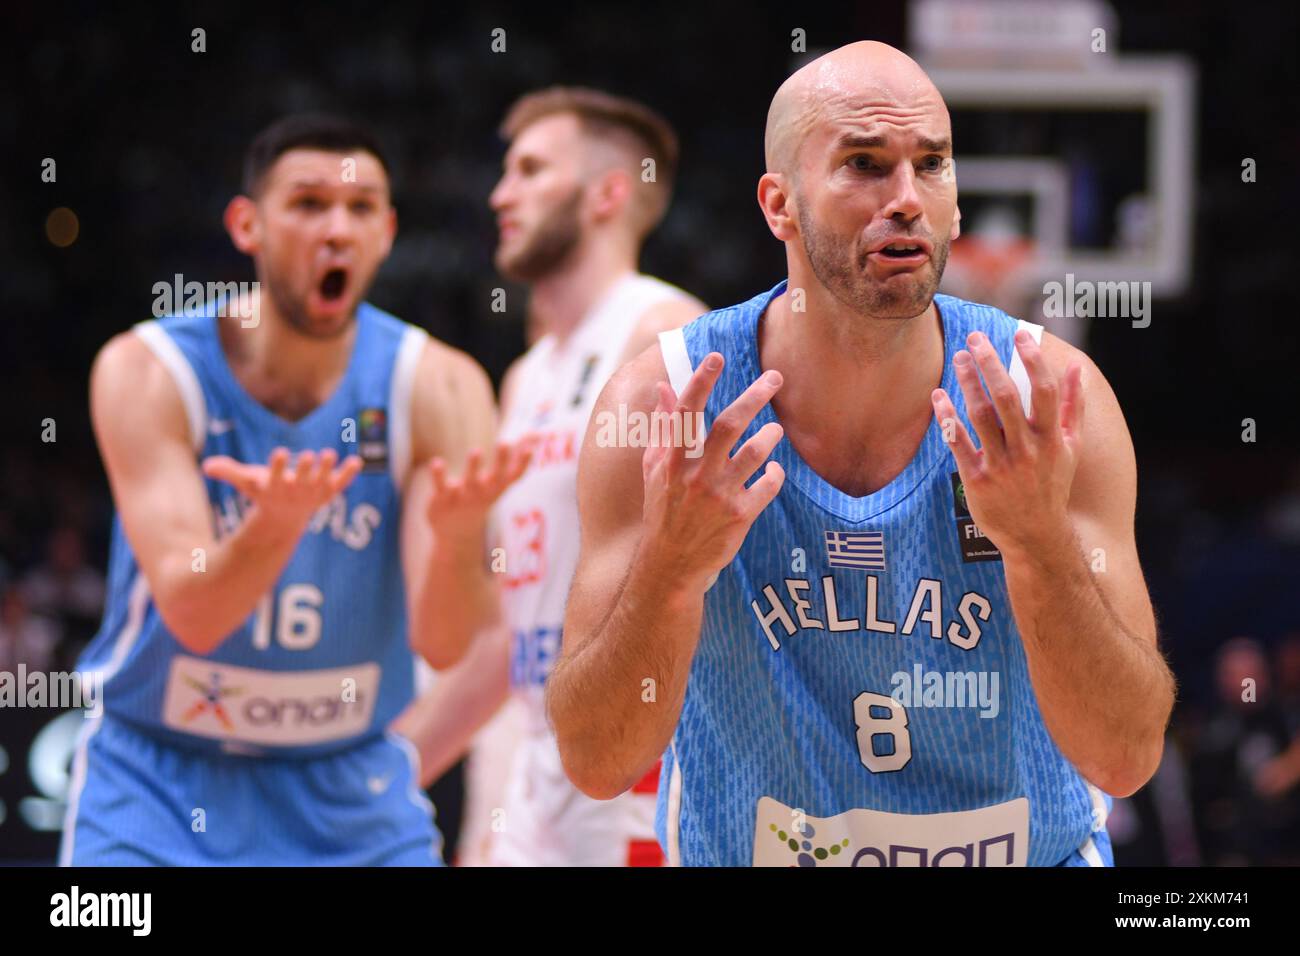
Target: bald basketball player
[574, 210]
[288, 530]
[868, 610]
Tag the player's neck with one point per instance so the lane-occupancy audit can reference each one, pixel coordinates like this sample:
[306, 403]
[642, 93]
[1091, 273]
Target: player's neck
[559, 302]
[282, 368]
[826, 334]
[851, 382]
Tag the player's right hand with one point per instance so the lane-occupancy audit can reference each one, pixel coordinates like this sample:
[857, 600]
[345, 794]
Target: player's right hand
[697, 510]
[284, 498]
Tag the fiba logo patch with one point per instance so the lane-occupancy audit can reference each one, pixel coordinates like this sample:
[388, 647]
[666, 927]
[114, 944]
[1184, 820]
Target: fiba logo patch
[974, 545]
[584, 379]
[372, 438]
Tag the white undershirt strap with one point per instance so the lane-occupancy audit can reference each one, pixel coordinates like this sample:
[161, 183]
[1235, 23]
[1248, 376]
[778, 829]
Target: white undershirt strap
[677, 360]
[400, 399]
[187, 383]
[1017, 370]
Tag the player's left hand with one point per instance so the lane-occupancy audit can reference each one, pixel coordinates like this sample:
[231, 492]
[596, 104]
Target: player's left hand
[1018, 481]
[458, 506]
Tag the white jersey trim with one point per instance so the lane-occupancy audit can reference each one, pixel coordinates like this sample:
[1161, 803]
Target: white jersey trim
[1090, 853]
[187, 383]
[399, 403]
[1017, 369]
[136, 605]
[673, 812]
[677, 360]
[413, 791]
[672, 342]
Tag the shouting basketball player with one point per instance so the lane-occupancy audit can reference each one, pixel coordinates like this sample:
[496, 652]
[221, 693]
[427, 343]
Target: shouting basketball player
[891, 646]
[574, 208]
[285, 517]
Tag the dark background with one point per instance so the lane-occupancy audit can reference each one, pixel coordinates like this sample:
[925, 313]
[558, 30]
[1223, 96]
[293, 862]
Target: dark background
[148, 137]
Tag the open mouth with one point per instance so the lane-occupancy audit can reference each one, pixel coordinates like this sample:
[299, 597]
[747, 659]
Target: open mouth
[333, 284]
[901, 250]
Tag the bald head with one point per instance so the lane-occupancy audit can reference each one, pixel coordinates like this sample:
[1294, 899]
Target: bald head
[859, 160]
[854, 80]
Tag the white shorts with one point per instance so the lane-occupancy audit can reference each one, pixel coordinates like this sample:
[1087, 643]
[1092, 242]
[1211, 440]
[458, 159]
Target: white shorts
[547, 821]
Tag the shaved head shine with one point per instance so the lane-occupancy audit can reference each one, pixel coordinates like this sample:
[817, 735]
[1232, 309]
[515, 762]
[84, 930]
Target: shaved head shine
[860, 76]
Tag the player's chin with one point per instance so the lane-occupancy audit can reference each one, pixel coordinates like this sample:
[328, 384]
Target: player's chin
[902, 296]
[507, 260]
[328, 316]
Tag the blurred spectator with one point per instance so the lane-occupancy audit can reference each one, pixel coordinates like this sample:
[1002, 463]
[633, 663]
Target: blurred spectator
[1288, 681]
[1242, 734]
[1278, 780]
[66, 588]
[25, 638]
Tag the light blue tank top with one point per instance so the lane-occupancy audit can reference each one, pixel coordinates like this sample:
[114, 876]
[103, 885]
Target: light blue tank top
[324, 661]
[859, 695]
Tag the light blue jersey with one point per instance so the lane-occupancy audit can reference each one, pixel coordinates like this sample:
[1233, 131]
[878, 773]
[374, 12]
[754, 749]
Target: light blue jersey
[307, 685]
[859, 695]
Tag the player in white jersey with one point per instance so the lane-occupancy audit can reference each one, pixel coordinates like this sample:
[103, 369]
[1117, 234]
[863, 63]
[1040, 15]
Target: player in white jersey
[573, 208]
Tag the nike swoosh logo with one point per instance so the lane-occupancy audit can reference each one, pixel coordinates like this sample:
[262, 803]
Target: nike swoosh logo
[219, 426]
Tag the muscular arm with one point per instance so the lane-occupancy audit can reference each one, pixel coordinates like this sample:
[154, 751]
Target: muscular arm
[443, 720]
[1084, 613]
[629, 617]
[143, 435]
[655, 530]
[1056, 493]
[451, 592]
[672, 314]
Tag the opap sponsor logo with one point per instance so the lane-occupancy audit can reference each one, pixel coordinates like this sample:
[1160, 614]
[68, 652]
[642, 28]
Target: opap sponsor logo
[266, 707]
[997, 835]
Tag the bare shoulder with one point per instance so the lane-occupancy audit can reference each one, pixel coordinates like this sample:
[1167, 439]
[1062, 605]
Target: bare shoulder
[603, 466]
[452, 402]
[123, 356]
[1107, 472]
[1099, 398]
[445, 371]
[634, 384]
[670, 314]
[610, 482]
[127, 374]
[1060, 355]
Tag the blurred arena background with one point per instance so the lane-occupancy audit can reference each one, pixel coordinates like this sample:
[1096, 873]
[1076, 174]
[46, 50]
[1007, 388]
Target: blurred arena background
[1124, 163]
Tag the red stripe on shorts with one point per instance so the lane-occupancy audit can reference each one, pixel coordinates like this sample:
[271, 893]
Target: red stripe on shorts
[644, 853]
[650, 782]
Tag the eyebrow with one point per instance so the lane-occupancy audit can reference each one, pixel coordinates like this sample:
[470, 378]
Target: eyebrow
[861, 141]
[320, 183]
[522, 157]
